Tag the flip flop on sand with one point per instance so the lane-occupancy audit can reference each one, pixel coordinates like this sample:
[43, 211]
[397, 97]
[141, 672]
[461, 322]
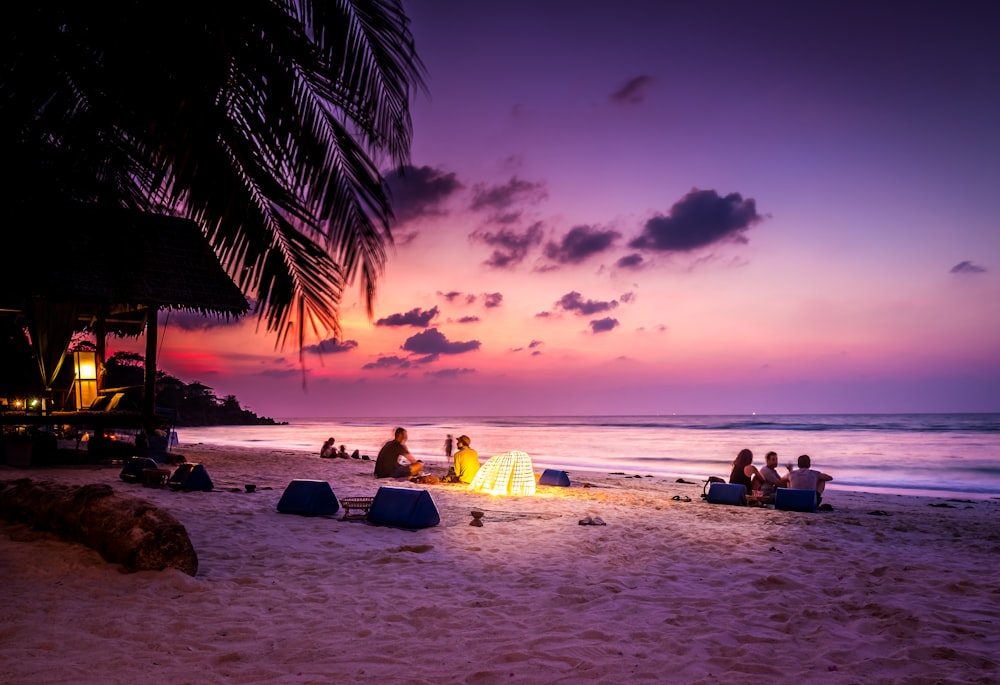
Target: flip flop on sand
[680, 498]
[597, 521]
[586, 521]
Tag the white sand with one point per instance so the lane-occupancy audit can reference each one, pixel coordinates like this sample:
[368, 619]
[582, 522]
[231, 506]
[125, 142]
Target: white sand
[667, 592]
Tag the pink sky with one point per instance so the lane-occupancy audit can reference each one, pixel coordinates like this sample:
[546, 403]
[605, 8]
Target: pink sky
[719, 207]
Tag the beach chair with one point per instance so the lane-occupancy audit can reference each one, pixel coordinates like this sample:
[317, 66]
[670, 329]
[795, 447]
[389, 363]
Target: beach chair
[727, 493]
[791, 499]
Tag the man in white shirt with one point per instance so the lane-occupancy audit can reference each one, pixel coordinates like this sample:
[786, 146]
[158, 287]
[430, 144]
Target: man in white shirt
[769, 474]
[805, 478]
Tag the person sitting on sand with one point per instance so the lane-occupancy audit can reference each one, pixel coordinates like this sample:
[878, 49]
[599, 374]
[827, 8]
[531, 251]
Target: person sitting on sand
[744, 472]
[327, 451]
[466, 460]
[394, 459]
[805, 478]
[770, 480]
[342, 453]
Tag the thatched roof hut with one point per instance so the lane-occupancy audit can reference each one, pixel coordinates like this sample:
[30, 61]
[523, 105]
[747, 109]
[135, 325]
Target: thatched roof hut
[70, 267]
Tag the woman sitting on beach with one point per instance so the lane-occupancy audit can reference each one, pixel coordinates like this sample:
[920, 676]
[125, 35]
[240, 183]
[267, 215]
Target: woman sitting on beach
[745, 473]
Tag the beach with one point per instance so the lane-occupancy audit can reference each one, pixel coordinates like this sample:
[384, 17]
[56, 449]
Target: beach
[883, 589]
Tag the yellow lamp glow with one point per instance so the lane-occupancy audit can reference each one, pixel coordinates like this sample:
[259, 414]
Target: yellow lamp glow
[509, 473]
[85, 385]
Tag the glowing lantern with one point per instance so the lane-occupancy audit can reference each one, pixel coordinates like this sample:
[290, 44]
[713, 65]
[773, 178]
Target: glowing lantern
[509, 473]
[85, 390]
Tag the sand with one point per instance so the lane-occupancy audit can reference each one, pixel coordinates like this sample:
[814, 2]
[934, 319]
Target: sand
[884, 589]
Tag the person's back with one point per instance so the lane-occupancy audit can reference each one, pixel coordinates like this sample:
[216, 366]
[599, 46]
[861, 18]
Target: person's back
[805, 478]
[466, 461]
[391, 458]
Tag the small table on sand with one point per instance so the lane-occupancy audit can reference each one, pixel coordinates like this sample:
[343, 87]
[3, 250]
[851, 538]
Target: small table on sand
[361, 504]
[154, 478]
[759, 500]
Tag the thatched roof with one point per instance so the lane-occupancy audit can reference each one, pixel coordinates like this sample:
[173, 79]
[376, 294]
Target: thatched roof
[113, 260]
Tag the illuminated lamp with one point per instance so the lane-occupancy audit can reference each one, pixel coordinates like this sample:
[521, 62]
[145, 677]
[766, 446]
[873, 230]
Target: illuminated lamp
[509, 473]
[85, 385]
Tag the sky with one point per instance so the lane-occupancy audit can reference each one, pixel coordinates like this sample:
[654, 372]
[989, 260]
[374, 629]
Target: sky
[669, 208]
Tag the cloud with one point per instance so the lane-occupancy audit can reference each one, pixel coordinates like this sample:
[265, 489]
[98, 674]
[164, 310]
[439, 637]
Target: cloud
[633, 91]
[632, 261]
[627, 298]
[469, 319]
[491, 300]
[392, 362]
[455, 295]
[534, 343]
[603, 325]
[698, 219]
[449, 373]
[967, 267]
[501, 197]
[419, 191]
[432, 342]
[574, 302]
[580, 243]
[331, 346]
[415, 317]
[509, 246]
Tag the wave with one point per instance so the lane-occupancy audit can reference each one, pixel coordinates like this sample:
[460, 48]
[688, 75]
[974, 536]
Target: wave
[900, 423]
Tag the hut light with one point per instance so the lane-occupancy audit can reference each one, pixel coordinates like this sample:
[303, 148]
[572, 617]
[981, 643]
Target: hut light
[85, 385]
[509, 473]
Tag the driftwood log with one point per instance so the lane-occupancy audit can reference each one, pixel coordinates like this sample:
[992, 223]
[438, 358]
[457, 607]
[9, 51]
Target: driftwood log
[125, 530]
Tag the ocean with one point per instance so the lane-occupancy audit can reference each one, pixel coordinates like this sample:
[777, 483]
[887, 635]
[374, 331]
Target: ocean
[936, 455]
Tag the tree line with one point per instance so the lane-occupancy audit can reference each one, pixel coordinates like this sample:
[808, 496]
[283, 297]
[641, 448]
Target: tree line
[194, 404]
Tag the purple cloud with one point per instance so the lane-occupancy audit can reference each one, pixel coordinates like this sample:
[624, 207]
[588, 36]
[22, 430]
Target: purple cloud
[580, 243]
[415, 317]
[455, 295]
[331, 346]
[392, 362]
[501, 197]
[967, 267]
[449, 373]
[419, 191]
[632, 261]
[603, 325]
[633, 91]
[574, 302]
[509, 247]
[432, 342]
[698, 219]
[491, 300]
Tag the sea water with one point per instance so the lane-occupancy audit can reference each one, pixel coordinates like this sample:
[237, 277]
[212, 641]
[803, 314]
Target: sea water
[941, 455]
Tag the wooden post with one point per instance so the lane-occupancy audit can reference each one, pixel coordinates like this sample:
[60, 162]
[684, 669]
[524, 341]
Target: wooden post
[149, 372]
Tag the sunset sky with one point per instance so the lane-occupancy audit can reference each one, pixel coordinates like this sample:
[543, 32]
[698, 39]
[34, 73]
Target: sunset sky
[670, 207]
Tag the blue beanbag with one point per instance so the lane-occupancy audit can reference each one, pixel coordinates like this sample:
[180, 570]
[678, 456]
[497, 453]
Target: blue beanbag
[403, 508]
[727, 493]
[553, 477]
[790, 499]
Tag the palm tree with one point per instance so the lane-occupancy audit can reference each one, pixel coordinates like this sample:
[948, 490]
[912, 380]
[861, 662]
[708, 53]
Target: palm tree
[265, 120]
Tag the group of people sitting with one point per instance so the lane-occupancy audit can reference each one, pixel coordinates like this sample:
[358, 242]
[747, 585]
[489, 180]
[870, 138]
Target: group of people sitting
[395, 460]
[764, 481]
[329, 451]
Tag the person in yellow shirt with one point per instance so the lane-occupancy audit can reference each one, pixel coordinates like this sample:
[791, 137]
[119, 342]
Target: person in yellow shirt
[466, 460]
